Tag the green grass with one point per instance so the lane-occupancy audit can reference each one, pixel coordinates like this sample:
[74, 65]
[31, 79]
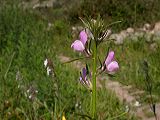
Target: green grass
[25, 43]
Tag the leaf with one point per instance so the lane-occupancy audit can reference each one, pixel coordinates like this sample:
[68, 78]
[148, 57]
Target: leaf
[87, 69]
[113, 23]
[84, 116]
[86, 23]
[100, 62]
[75, 60]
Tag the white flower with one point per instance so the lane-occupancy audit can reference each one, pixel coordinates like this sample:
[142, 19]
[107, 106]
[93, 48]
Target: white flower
[28, 91]
[45, 62]
[30, 96]
[76, 105]
[137, 104]
[48, 71]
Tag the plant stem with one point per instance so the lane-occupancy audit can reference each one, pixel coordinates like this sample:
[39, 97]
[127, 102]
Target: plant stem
[94, 82]
[5, 76]
[91, 103]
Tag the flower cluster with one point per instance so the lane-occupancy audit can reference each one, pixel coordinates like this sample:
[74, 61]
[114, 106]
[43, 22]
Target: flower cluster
[31, 93]
[97, 30]
[49, 67]
[88, 42]
[110, 65]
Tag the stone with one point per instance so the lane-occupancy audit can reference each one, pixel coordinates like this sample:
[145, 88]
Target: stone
[153, 47]
[147, 27]
[130, 30]
[157, 27]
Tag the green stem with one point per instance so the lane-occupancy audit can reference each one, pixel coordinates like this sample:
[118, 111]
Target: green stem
[91, 104]
[94, 82]
[5, 76]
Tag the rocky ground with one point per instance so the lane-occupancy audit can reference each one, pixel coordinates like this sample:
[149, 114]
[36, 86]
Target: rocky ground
[35, 4]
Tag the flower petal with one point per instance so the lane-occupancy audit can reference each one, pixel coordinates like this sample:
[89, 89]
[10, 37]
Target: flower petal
[45, 62]
[113, 66]
[109, 58]
[48, 71]
[84, 72]
[81, 80]
[83, 37]
[78, 45]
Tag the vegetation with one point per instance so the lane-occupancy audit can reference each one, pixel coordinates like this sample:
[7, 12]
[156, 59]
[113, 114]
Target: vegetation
[27, 91]
[27, 40]
[132, 55]
[131, 13]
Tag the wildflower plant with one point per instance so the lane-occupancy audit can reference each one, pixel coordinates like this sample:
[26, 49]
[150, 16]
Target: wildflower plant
[90, 38]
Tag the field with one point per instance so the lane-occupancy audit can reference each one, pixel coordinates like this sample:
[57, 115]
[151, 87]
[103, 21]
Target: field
[29, 93]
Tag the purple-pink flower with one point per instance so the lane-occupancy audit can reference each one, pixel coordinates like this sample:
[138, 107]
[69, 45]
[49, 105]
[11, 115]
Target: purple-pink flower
[110, 64]
[85, 78]
[79, 45]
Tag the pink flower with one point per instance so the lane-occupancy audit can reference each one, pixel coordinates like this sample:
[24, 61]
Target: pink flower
[110, 63]
[79, 45]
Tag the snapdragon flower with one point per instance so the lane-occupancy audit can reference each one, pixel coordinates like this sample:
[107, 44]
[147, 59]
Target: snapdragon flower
[110, 64]
[79, 45]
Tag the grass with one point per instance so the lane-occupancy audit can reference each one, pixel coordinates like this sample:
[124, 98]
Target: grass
[131, 56]
[135, 13]
[25, 43]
